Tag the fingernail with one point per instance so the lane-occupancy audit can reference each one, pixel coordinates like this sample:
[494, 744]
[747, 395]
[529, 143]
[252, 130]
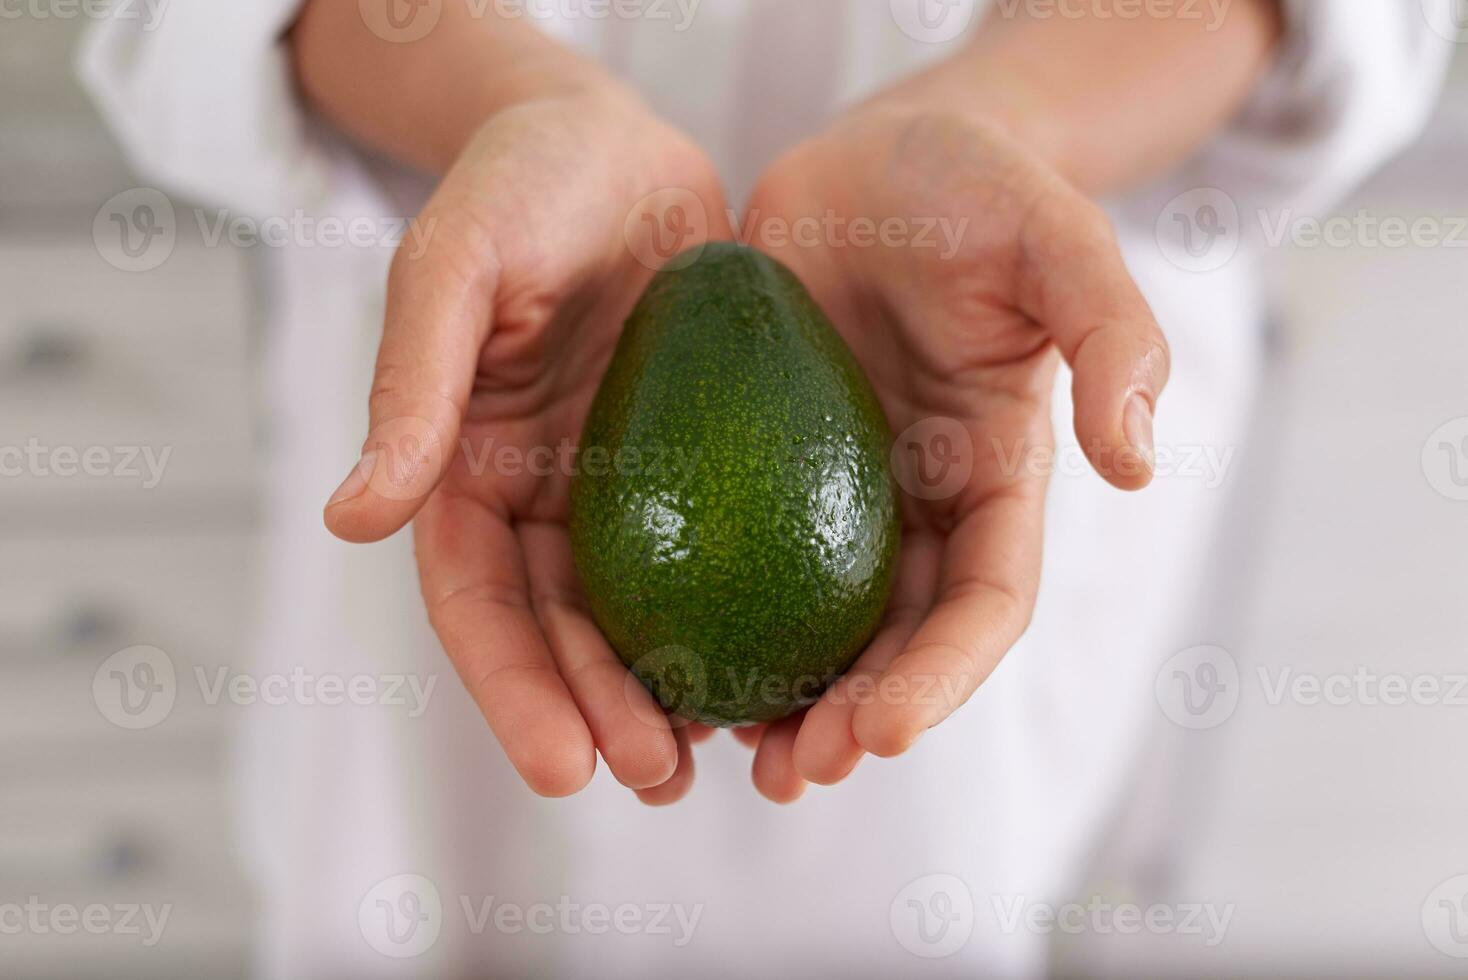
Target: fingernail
[1136, 424]
[356, 480]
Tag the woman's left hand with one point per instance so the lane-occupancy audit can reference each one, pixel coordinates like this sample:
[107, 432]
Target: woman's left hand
[960, 268]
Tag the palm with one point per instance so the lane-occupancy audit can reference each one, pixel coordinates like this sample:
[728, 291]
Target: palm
[951, 330]
[496, 338]
[497, 335]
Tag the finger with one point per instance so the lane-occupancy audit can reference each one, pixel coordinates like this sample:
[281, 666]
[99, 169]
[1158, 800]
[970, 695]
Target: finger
[986, 594]
[681, 781]
[749, 735]
[826, 750]
[1079, 289]
[698, 734]
[440, 297]
[629, 728]
[774, 768]
[474, 586]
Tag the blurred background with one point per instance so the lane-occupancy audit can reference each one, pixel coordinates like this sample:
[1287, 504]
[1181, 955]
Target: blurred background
[1332, 825]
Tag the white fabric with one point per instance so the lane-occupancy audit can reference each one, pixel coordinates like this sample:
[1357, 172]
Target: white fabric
[1007, 796]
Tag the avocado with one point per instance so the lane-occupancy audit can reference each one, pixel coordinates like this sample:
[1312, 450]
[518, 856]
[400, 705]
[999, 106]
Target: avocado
[733, 516]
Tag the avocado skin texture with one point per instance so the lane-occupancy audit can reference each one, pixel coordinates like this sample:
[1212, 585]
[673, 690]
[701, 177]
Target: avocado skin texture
[733, 516]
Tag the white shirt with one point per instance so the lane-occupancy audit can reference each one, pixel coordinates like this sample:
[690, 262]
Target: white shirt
[1004, 800]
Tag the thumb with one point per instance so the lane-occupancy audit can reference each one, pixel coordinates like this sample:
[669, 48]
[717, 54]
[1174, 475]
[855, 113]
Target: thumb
[1079, 290]
[440, 297]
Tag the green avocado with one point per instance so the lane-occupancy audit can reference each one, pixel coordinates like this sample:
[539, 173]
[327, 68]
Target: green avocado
[733, 516]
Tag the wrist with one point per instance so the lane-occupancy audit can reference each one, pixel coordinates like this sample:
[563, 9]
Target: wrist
[991, 99]
[521, 88]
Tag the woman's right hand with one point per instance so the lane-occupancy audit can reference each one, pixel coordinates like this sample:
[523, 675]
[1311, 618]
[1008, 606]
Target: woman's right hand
[501, 317]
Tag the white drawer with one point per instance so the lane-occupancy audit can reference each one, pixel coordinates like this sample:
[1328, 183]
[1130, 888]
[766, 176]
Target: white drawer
[206, 933]
[118, 385]
[108, 830]
[67, 605]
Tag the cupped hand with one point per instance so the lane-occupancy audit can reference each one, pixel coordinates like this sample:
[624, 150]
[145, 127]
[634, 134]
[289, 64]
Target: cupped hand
[501, 317]
[959, 268]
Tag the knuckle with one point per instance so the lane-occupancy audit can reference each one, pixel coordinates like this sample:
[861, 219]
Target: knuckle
[1158, 354]
[1091, 226]
[385, 395]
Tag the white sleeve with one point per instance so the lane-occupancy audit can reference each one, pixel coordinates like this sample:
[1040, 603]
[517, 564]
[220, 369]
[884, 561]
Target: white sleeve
[201, 98]
[1353, 84]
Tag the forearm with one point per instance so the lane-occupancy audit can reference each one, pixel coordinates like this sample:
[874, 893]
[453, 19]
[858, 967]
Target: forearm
[419, 101]
[1108, 101]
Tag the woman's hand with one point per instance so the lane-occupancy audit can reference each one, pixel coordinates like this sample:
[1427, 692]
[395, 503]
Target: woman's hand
[960, 268]
[1002, 141]
[496, 336]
